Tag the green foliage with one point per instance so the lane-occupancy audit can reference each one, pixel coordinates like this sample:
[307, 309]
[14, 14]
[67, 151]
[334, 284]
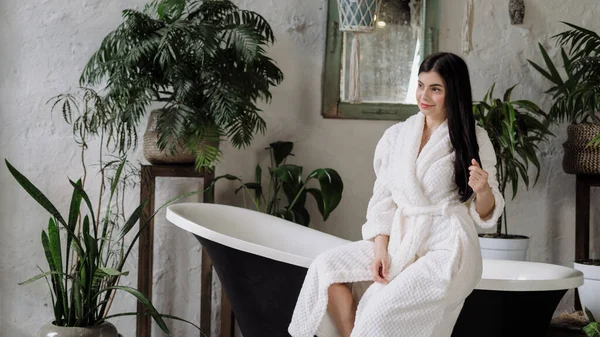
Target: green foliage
[515, 128]
[84, 279]
[593, 328]
[285, 180]
[203, 60]
[576, 98]
[86, 248]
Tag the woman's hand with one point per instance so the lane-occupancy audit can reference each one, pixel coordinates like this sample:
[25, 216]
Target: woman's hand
[381, 264]
[478, 178]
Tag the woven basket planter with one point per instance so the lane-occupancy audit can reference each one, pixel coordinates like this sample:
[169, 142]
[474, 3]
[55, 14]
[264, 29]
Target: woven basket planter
[155, 156]
[579, 158]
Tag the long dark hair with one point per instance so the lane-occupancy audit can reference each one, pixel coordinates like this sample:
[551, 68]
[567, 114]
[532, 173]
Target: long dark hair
[459, 107]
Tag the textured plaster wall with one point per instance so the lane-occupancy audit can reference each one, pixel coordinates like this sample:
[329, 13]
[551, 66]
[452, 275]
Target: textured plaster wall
[45, 44]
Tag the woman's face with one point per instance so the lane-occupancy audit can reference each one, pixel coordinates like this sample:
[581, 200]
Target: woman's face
[431, 93]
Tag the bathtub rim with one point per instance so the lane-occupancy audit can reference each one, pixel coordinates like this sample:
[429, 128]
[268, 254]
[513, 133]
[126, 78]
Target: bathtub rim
[493, 284]
[226, 240]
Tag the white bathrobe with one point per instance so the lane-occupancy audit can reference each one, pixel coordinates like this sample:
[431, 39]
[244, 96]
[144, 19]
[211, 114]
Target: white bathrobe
[434, 249]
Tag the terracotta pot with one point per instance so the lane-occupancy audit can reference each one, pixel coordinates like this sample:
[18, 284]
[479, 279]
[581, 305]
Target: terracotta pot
[103, 330]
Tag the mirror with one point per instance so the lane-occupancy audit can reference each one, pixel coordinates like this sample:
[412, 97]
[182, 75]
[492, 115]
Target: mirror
[406, 31]
[389, 57]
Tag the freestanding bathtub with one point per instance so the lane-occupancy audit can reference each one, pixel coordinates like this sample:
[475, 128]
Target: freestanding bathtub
[261, 261]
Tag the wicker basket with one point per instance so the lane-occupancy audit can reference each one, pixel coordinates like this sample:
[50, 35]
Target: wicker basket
[155, 156]
[579, 158]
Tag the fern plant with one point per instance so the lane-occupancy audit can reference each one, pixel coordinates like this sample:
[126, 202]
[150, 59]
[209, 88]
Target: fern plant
[576, 98]
[515, 128]
[204, 61]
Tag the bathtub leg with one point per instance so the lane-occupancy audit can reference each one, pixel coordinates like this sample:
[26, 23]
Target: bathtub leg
[205, 292]
[227, 318]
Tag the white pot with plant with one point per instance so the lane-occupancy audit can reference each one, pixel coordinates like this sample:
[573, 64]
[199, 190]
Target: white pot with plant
[575, 99]
[589, 292]
[515, 129]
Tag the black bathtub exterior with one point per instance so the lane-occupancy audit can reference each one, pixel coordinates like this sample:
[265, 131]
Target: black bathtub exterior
[263, 294]
[492, 313]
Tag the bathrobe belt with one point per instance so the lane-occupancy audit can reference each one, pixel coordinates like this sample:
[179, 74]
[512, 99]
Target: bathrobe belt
[417, 233]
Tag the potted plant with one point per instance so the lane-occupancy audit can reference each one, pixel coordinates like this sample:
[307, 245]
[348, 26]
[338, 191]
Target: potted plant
[588, 292]
[576, 98]
[204, 61]
[592, 329]
[285, 180]
[515, 129]
[85, 268]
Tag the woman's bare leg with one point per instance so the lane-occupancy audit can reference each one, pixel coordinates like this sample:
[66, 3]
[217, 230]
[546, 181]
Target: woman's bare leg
[341, 307]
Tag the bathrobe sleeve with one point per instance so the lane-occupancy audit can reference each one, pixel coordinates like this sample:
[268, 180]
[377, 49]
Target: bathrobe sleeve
[381, 208]
[488, 163]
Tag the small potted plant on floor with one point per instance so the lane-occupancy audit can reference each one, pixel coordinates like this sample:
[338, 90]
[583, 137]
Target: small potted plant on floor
[286, 182]
[204, 61]
[592, 329]
[515, 129]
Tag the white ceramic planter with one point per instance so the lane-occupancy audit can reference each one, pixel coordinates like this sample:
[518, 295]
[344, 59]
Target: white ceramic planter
[504, 249]
[589, 292]
[103, 330]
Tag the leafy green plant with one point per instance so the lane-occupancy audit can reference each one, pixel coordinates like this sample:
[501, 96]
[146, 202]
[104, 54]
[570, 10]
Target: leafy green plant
[576, 98]
[285, 180]
[84, 279]
[85, 268]
[593, 328]
[203, 60]
[515, 128]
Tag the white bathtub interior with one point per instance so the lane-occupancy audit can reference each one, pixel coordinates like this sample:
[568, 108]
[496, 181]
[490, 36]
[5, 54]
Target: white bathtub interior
[253, 232]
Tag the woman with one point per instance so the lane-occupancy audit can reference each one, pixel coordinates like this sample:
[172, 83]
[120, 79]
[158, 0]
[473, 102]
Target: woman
[436, 178]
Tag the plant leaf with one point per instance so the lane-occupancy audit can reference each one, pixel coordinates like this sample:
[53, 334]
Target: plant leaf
[331, 189]
[592, 329]
[281, 150]
[161, 315]
[590, 315]
[102, 271]
[133, 219]
[144, 301]
[288, 173]
[35, 193]
[59, 310]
